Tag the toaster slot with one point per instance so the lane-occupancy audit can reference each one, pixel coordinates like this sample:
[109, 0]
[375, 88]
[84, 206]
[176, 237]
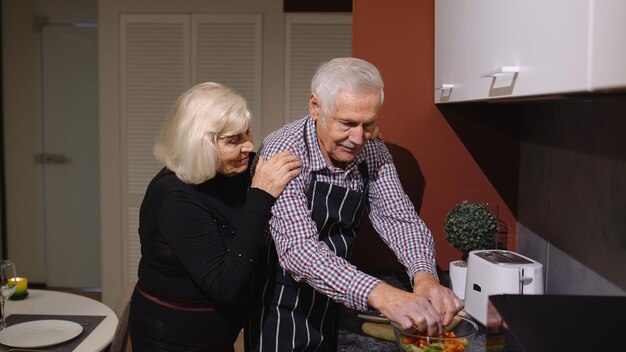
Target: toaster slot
[503, 257]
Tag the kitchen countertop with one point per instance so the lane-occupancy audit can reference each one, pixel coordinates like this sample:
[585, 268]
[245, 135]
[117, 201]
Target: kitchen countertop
[352, 339]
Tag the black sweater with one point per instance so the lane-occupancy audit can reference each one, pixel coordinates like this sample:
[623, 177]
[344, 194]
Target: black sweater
[199, 242]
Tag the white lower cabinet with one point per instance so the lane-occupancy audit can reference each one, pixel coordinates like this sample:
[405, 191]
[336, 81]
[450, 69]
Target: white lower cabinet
[495, 49]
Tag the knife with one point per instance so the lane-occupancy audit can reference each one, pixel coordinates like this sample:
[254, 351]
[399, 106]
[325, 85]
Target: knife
[373, 318]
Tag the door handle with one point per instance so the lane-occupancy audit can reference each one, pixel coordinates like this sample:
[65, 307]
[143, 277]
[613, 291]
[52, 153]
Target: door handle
[445, 86]
[501, 70]
[43, 158]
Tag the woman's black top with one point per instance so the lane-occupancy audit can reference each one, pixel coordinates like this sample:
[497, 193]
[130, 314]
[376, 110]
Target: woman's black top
[199, 243]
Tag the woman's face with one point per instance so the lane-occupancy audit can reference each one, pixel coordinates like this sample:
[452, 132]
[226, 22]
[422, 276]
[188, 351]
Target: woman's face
[233, 152]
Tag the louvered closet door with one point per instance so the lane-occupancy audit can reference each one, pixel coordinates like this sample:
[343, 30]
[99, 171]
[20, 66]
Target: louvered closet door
[310, 41]
[155, 70]
[227, 49]
[162, 56]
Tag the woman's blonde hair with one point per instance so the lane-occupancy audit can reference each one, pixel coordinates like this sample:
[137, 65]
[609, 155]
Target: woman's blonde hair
[187, 145]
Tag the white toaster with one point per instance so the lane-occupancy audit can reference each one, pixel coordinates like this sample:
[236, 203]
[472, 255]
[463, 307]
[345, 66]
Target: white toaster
[493, 272]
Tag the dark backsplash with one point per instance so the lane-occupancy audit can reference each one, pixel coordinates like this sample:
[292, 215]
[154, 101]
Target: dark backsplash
[572, 192]
[560, 165]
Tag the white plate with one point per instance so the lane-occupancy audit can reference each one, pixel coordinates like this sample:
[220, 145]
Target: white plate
[39, 333]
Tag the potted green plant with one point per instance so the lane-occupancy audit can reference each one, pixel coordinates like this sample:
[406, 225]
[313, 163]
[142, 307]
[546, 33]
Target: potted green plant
[468, 226]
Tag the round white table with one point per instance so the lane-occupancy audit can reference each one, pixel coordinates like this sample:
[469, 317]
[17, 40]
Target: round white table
[62, 303]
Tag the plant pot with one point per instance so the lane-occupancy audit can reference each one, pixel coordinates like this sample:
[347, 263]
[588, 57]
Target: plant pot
[458, 274]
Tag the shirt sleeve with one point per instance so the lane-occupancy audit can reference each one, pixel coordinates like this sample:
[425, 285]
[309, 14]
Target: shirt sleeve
[395, 220]
[308, 259]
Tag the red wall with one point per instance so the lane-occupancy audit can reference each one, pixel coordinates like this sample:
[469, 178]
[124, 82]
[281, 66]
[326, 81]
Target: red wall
[436, 168]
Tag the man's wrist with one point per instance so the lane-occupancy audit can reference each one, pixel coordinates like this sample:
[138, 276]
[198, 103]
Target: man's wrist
[422, 276]
[377, 294]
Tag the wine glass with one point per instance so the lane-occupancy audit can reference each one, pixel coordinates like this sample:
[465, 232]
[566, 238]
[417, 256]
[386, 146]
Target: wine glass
[8, 280]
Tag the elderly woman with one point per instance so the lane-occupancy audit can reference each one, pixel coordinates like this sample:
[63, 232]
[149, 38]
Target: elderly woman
[201, 223]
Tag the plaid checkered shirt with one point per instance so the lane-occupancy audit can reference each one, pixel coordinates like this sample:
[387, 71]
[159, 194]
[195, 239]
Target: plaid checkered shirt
[392, 214]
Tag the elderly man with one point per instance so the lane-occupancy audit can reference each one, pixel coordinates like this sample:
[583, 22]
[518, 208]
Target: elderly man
[315, 221]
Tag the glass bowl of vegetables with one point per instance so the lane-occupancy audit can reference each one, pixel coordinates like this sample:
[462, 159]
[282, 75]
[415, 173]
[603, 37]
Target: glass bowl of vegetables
[458, 338]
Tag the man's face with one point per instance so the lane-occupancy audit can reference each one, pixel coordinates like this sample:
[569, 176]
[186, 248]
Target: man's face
[345, 130]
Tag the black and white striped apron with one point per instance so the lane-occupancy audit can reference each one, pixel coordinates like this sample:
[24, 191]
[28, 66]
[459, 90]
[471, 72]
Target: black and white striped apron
[291, 316]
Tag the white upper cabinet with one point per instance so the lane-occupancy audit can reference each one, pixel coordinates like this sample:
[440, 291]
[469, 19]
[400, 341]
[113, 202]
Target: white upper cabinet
[608, 45]
[494, 49]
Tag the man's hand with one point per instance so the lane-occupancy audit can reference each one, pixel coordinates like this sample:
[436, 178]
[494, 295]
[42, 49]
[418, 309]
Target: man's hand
[412, 312]
[445, 302]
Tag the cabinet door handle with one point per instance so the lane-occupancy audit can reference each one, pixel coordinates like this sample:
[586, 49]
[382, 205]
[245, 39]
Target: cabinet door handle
[445, 86]
[501, 70]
